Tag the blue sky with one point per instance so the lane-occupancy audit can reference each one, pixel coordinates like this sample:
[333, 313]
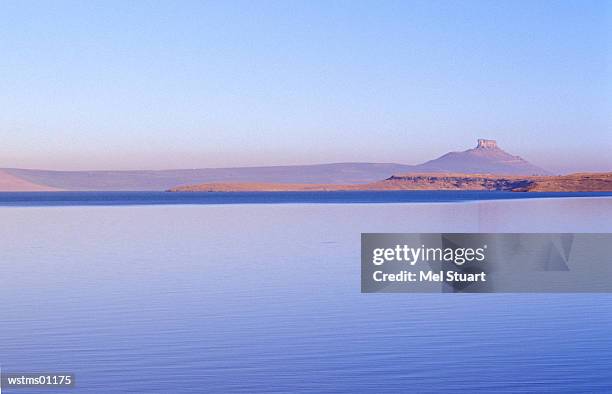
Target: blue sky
[152, 84]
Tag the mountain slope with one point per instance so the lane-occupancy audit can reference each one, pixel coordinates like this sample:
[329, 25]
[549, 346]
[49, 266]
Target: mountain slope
[11, 183]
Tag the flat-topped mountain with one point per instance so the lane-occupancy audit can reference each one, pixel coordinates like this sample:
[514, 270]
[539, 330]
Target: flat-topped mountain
[486, 157]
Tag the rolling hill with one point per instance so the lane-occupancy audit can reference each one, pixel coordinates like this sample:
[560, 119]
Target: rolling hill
[486, 157]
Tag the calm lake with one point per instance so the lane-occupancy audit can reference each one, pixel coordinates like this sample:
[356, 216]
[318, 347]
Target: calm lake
[183, 298]
[206, 198]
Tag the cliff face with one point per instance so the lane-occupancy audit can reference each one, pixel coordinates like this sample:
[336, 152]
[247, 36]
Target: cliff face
[458, 182]
[486, 144]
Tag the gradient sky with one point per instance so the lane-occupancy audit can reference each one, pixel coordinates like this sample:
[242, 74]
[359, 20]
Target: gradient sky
[152, 84]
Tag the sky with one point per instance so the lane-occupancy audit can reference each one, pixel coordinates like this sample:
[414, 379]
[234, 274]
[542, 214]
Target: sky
[165, 84]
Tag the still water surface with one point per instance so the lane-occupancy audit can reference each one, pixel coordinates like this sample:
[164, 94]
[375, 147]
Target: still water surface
[265, 298]
[45, 199]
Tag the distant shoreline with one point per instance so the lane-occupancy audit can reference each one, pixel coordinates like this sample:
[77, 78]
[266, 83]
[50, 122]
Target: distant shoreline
[580, 182]
[483, 167]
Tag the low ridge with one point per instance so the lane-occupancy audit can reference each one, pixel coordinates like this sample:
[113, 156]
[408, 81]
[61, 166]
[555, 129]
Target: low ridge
[582, 182]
